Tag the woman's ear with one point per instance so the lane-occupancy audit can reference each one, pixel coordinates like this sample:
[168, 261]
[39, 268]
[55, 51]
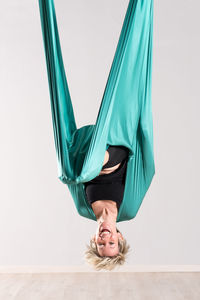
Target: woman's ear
[120, 236]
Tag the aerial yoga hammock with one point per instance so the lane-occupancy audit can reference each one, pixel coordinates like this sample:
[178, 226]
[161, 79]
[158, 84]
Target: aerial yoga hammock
[124, 117]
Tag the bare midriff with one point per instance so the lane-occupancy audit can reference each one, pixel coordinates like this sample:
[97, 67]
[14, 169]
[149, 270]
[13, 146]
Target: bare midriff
[108, 170]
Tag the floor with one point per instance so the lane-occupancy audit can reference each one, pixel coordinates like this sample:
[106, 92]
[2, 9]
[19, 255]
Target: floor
[101, 285]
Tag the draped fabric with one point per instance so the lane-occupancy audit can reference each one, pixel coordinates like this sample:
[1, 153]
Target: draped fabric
[124, 117]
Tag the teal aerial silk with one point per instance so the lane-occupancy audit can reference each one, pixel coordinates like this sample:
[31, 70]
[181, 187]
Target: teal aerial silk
[124, 117]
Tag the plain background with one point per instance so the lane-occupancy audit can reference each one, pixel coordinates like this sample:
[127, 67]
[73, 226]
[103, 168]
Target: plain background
[39, 224]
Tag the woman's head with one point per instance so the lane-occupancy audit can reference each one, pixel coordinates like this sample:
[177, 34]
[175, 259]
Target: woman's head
[107, 238]
[107, 249]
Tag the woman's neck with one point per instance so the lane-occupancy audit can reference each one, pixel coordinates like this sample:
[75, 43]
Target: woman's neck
[105, 210]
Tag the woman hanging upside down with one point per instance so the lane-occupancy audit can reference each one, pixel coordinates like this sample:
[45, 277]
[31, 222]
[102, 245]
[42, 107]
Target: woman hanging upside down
[105, 193]
[124, 119]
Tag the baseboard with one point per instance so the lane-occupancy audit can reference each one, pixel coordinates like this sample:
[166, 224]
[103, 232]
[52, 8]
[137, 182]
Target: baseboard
[66, 269]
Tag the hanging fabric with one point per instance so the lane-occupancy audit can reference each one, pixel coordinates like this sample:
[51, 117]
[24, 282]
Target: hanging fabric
[124, 117]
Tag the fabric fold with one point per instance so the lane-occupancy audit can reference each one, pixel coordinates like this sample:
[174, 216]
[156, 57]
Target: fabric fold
[124, 117]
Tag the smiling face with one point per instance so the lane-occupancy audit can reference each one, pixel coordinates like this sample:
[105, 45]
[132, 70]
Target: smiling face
[107, 239]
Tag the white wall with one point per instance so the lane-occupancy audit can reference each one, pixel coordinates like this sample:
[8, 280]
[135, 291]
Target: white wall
[38, 221]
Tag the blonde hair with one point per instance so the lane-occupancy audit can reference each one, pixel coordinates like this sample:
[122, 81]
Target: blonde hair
[106, 262]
